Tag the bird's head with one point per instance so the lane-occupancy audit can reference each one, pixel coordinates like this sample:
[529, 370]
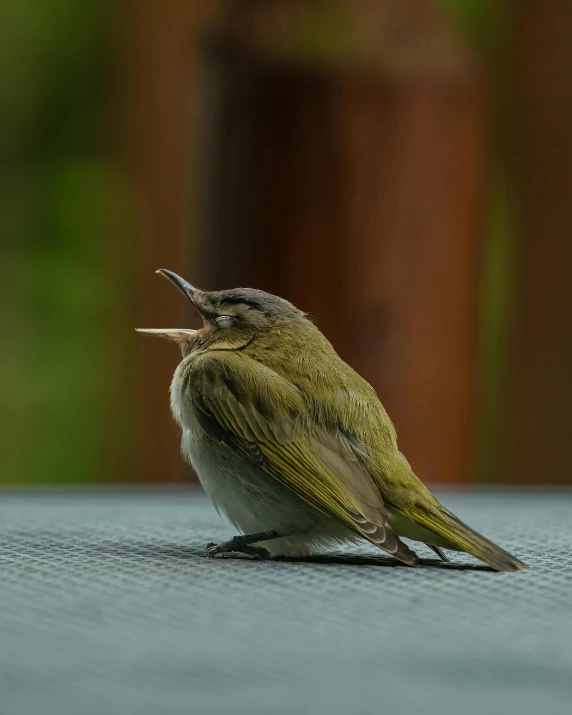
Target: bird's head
[231, 318]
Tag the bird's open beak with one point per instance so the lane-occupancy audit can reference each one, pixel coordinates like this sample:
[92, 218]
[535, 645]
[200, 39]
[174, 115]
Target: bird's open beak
[184, 286]
[177, 334]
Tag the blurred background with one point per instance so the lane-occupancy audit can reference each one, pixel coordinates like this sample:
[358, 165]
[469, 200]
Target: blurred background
[400, 169]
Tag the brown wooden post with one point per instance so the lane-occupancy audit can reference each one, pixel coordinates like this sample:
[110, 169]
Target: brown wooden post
[537, 130]
[414, 215]
[159, 80]
[365, 205]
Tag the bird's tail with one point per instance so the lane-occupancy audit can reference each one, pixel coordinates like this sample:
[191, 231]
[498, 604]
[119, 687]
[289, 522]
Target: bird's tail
[446, 525]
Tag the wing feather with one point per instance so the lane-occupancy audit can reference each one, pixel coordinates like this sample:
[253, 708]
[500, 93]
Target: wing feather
[259, 417]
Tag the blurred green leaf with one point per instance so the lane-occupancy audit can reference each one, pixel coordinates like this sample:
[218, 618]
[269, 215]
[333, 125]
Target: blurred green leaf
[495, 311]
[480, 19]
[63, 221]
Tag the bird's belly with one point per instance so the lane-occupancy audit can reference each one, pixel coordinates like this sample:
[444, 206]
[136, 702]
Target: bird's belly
[253, 501]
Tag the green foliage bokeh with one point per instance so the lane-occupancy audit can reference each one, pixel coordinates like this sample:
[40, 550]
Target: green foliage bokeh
[61, 208]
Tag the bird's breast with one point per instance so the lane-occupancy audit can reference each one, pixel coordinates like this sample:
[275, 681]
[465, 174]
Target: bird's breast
[179, 406]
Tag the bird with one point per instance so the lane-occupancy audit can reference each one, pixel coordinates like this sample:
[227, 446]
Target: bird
[291, 444]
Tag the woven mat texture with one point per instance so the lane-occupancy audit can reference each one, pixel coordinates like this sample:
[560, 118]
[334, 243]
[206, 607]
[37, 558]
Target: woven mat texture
[108, 605]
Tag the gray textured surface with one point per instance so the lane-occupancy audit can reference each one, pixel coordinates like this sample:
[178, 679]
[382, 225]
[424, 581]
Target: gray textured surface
[108, 606]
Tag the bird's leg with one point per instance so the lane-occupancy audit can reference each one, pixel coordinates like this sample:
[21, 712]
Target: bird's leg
[242, 544]
[440, 553]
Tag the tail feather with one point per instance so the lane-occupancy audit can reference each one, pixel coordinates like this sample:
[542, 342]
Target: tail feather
[446, 525]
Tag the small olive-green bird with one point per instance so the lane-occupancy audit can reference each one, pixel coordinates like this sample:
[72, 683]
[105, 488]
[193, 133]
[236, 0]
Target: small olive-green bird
[292, 444]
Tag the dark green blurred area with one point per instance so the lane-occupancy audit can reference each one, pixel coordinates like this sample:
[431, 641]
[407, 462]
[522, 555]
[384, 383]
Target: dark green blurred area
[66, 236]
[63, 237]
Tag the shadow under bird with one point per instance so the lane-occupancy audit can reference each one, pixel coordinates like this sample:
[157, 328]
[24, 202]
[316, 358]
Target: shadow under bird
[291, 443]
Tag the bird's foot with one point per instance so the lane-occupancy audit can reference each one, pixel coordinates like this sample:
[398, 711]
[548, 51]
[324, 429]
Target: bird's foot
[440, 553]
[234, 546]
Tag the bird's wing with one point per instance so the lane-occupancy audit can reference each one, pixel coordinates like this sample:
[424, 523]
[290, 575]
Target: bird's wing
[257, 413]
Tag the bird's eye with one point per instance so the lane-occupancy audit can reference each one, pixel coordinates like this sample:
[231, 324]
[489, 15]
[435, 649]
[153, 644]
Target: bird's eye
[225, 321]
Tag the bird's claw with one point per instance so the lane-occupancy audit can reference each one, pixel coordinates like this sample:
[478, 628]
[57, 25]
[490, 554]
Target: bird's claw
[228, 547]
